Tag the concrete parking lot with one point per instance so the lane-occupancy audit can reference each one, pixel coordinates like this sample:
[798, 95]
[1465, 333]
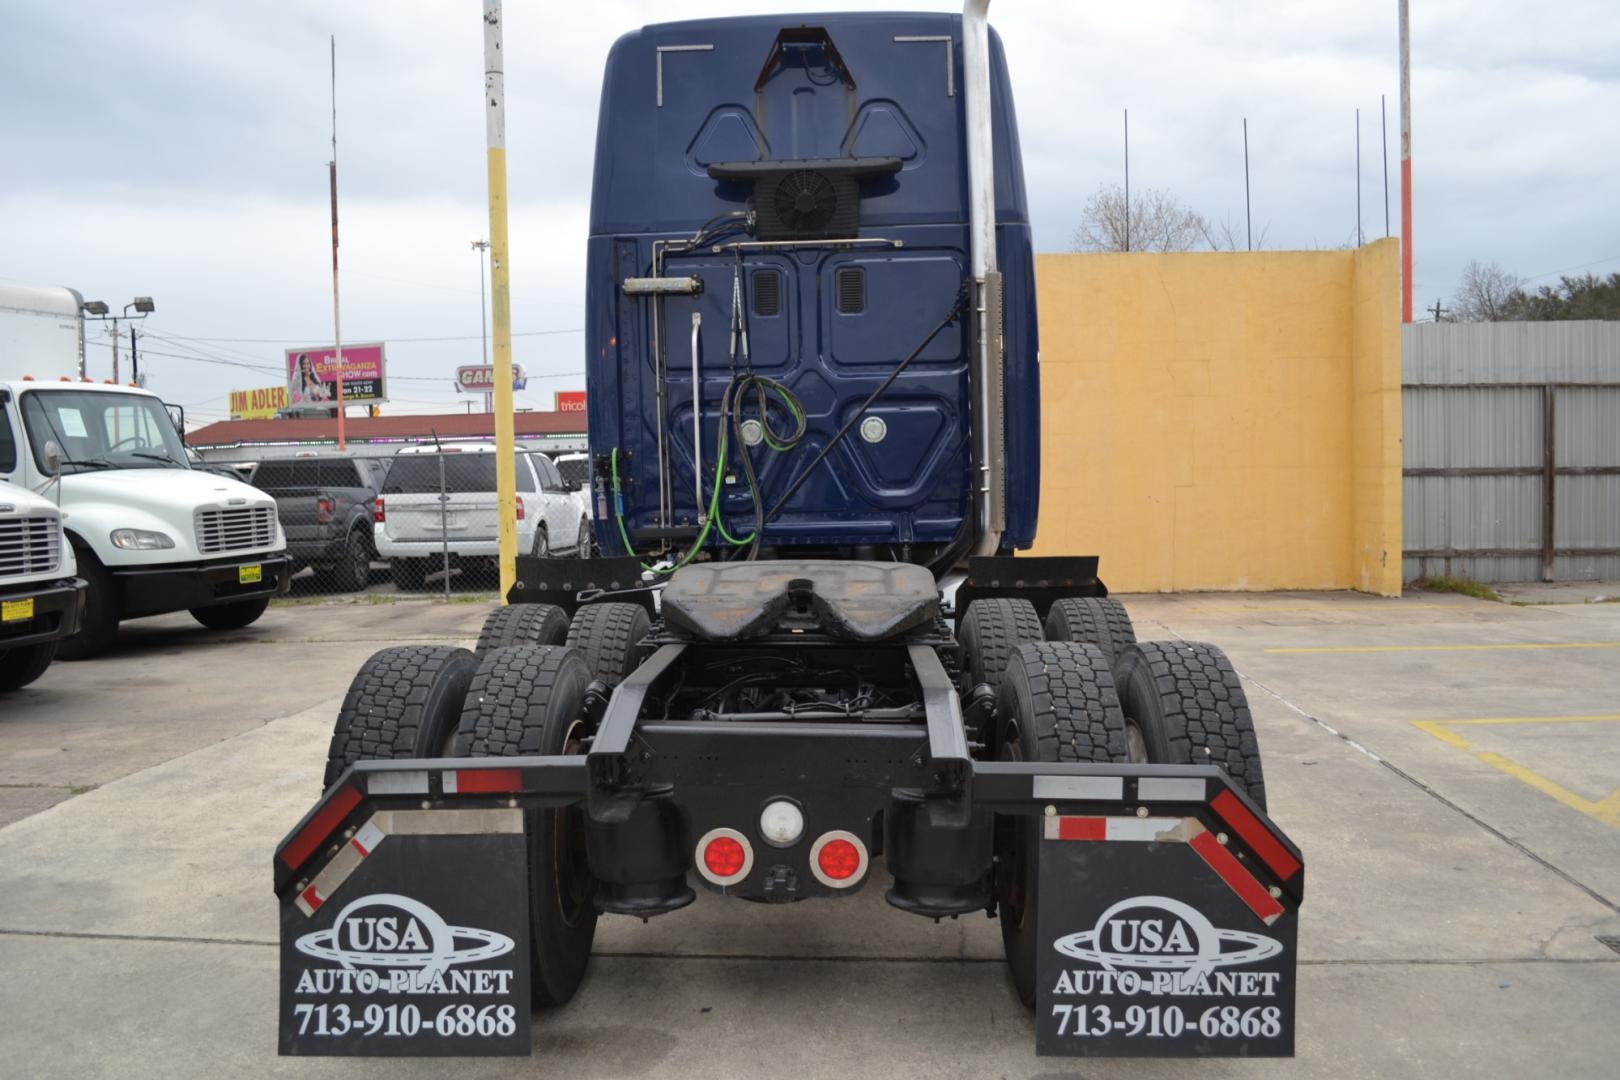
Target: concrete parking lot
[1449, 766]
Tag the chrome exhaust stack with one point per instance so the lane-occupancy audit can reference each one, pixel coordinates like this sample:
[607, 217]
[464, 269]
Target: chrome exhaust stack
[989, 443]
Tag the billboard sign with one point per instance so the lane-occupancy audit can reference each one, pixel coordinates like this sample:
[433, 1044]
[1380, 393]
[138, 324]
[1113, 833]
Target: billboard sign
[570, 401]
[312, 375]
[480, 378]
[260, 404]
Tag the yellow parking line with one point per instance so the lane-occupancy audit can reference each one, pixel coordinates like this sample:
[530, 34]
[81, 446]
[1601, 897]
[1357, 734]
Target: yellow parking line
[1448, 648]
[1335, 608]
[1606, 809]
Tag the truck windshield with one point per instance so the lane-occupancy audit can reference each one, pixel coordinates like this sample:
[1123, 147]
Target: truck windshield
[575, 470]
[99, 430]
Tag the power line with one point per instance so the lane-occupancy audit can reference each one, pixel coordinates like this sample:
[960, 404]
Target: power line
[391, 340]
[1567, 269]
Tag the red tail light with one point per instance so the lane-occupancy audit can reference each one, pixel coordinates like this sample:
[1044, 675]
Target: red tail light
[838, 859]
[724, 856]
[377, 514]
[520, 508]
[324, 506]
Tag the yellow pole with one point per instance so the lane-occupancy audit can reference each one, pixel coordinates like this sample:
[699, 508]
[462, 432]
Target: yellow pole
[500, 293]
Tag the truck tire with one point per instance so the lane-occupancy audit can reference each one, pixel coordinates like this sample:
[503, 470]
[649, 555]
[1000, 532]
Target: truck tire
[991, 631]
[1056, 703]
[404, 702]
[352, 571]
[587, 540]
[1099, 620]
[608, 634]
[529, 700]
[99, 626]
[1188, 704]
[232, 616]
[19, 667]
[523, 624]
[407, 573]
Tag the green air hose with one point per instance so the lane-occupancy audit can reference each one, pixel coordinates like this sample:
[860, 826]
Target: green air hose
[730, 417]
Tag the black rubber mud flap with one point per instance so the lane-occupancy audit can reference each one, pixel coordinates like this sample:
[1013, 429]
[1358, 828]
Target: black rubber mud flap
[387, 952]
[1155, 940]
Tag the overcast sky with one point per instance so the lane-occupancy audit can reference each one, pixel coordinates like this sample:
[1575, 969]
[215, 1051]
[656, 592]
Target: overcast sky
[179, 149]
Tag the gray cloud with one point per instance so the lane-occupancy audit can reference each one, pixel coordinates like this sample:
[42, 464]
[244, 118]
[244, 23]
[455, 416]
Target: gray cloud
[178, 149]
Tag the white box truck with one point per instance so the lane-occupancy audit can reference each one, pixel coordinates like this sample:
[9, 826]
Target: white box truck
[41, 599]
[150, 534]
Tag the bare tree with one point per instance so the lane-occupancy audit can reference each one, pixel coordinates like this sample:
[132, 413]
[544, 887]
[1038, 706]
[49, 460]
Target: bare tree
[1157, 222]
[1226, 236]
[1486, 293]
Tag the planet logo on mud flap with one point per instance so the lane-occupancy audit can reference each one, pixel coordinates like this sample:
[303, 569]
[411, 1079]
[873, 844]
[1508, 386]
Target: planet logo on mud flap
[391, 931]
[1161, 934]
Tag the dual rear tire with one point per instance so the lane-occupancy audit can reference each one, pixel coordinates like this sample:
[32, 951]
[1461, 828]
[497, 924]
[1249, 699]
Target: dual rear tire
[521, 695]
[1090, 692]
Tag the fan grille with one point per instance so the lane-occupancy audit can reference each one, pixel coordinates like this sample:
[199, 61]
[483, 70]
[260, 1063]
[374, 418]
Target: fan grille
[805, 201]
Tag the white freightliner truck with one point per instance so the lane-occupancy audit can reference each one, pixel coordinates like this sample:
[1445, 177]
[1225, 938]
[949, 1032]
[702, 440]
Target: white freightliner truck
[150, 534]
[41, 600]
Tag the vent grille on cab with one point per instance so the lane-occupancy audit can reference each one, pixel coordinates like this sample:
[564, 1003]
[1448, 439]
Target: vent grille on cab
[767, 292]
[851, 290]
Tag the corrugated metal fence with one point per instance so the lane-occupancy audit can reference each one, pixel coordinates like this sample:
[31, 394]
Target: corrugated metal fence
[1512, 450]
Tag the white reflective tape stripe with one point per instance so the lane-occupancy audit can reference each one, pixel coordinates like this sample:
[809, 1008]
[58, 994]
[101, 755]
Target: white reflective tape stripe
[1170, 789]
[410, 782]
[450, 782]
[304, 906]
[368, 837]
[450, 822]
[1108, 788]
[1150, 829]
[1166, 830]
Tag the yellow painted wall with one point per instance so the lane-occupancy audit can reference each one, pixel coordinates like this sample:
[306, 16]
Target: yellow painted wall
[1223, 420]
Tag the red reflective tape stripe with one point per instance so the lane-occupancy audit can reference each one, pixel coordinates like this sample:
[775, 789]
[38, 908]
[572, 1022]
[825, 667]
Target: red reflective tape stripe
[1256, 835]
[358, 846]
[1224, 863]
[312, 898]
[327, 818]
[475, 781]
[1082, 828]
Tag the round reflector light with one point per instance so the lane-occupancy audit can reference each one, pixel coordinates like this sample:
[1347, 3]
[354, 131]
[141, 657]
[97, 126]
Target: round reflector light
[781, 823]
[838, 859]
[724, 856]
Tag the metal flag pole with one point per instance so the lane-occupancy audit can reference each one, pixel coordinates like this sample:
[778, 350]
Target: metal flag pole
[1406, 167]
[337, 320]
[500, 293]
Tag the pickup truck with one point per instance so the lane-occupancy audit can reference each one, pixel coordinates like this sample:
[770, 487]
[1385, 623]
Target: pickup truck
[41, 598]
[326, 504]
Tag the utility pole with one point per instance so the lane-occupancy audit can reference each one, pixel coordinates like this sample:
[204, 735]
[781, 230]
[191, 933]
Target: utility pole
[500, 292]
[337, 321]
[1127, 179]
[1438, 310]
[1383, 142]
[1248, 217]
[1360, 238]
[115, 348]
[1406, 165]
[482, 246]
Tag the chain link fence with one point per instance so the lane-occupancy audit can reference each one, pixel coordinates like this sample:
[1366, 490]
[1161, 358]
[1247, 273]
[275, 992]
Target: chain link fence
[425, 521]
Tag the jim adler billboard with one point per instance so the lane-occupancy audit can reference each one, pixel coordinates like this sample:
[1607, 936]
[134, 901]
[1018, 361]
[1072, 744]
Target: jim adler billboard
[312, 375]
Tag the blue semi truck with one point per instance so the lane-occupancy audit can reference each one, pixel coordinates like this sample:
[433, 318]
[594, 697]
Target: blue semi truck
[807, 662]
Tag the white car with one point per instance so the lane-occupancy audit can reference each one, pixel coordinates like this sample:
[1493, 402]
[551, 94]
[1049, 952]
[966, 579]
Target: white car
[576, 474]
[423, 511]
